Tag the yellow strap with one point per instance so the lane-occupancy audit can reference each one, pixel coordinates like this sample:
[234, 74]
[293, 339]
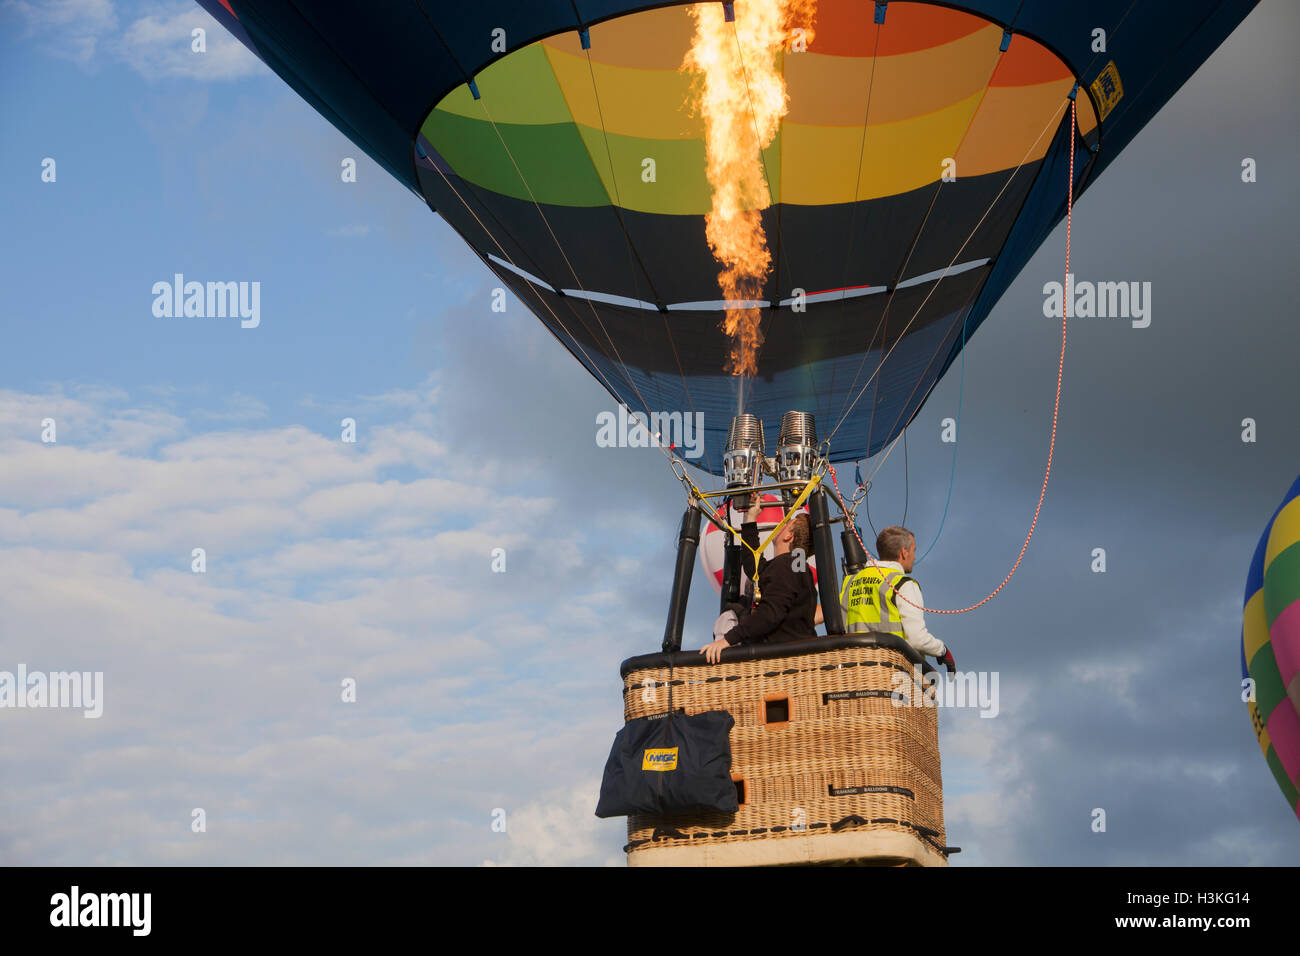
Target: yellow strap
[798, 503]
[808, 489]
[699, 499]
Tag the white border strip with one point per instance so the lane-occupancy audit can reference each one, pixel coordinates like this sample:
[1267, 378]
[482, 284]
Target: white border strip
[838, 294]
[943, 273]
[722, 305]
[611, 299]
[520, 272]
[718, 305]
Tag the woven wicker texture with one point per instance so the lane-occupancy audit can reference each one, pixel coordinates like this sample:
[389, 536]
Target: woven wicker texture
[850, 728]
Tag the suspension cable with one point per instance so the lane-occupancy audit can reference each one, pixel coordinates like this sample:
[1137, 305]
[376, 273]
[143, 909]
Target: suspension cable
[1056, 408]
[867, 384]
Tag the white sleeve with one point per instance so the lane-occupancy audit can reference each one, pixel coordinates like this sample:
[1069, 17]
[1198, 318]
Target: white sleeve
[914, 628]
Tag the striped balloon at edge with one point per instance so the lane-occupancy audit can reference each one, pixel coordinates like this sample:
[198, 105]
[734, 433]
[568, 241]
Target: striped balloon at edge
[1270, 644]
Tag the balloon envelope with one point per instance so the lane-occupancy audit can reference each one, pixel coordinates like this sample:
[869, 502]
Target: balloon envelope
[1270, 644]
[923, 159]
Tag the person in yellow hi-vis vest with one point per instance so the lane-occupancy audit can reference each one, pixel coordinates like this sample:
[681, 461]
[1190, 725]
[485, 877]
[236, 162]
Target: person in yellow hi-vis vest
[876, 599]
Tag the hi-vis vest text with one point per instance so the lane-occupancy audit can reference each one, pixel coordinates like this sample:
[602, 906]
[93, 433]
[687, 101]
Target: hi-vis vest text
[869, 602]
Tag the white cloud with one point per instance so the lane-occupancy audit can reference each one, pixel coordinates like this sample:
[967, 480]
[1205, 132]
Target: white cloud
[68, 29]
[78, 421]
[156, 41]
[1114, 678]
[560, 829]
[222, 690]
[158, 45]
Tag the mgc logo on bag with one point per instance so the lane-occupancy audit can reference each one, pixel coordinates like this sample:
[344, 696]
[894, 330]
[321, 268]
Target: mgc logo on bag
[665, 759]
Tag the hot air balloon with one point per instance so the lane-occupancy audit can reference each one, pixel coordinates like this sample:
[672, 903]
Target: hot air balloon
[773, 214]
[1270, 645]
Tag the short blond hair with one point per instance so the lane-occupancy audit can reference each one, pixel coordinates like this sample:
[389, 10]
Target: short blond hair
[891, 541]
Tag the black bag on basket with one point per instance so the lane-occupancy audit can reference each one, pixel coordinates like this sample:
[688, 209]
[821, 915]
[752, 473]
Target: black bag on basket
[670, 763]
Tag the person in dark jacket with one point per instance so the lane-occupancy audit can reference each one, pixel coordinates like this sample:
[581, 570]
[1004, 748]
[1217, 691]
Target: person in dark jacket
[787, 598]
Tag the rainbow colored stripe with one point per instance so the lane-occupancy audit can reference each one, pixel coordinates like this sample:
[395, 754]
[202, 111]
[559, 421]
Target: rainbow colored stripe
[873, 113]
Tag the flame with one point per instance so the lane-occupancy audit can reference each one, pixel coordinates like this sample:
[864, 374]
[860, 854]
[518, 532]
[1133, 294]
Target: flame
[740, 94]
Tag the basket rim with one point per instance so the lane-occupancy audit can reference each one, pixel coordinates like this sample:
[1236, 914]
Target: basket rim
[773, 650]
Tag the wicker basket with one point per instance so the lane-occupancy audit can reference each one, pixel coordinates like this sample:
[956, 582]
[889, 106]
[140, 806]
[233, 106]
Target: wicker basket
[830, 767]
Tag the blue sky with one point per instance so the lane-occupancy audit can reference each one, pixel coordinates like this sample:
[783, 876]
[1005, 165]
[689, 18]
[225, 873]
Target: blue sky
[479, 691]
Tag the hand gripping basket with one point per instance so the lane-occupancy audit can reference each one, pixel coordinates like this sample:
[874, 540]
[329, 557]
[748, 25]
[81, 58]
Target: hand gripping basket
[835, 755]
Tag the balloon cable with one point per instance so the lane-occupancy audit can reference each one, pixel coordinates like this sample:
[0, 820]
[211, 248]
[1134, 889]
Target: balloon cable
[862, 391]
[907, 480]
